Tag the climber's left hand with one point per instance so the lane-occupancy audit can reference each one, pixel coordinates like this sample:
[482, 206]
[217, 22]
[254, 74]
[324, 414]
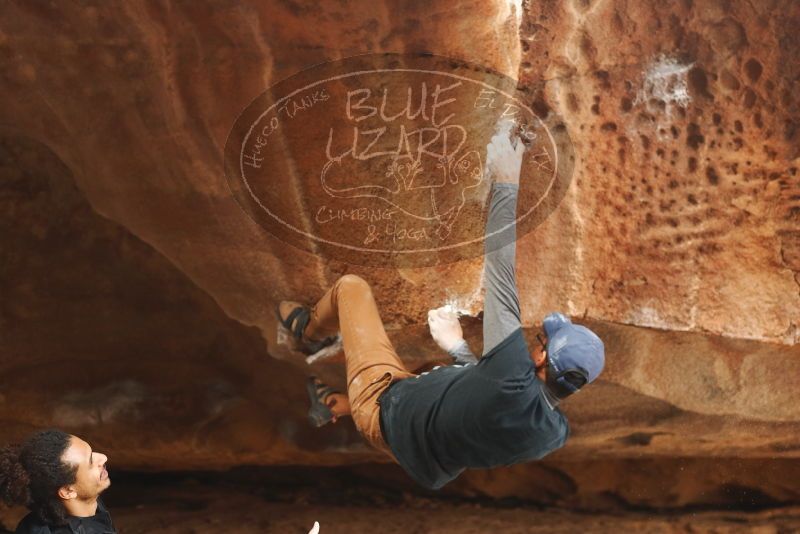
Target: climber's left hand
[445, 328]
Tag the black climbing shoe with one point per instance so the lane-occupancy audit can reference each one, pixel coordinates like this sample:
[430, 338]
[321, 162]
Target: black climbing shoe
[319, 414]
[296, 323]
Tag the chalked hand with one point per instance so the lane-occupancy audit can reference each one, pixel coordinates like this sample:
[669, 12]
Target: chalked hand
[504, 158]
[445, 328]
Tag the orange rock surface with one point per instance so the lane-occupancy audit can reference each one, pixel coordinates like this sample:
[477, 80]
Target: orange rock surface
[138, 297]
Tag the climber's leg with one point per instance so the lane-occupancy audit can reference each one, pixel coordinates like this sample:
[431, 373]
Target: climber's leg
[371, 361]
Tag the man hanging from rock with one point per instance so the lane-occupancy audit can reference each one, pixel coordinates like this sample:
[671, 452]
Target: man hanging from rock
[499, 410]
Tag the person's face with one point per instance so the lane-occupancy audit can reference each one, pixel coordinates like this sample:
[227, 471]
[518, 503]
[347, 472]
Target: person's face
[91, 478]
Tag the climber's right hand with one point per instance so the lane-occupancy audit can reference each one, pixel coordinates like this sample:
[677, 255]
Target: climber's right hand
[504, 155]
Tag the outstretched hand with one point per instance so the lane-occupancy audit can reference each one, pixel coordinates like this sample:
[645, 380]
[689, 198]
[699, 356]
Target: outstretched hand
[445, 328]
[504, 158]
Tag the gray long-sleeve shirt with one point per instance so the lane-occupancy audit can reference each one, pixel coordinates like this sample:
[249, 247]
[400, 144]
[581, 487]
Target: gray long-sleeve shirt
[501, 313]
[482, 413]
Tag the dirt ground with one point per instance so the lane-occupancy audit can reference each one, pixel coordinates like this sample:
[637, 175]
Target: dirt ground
[240, 514]
[290, 500]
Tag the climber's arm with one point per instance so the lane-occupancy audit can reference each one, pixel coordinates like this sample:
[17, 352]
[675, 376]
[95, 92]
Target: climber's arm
[501, 315]
[501, 310]
[446, 332]
[461, 353]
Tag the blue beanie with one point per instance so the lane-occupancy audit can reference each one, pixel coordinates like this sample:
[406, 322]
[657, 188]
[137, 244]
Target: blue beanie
[571, 346]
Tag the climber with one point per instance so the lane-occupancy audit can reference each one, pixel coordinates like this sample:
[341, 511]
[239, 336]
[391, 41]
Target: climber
[59, 478]
[499, 410]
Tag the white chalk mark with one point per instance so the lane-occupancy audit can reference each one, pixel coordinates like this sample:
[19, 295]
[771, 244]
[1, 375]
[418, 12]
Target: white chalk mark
[326, 353]
[282, 337]
[666, 80]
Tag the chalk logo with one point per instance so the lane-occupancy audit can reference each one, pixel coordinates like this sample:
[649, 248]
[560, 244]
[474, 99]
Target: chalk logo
[380, 159]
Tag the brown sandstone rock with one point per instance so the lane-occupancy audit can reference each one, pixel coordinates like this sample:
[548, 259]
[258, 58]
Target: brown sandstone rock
[678, 240]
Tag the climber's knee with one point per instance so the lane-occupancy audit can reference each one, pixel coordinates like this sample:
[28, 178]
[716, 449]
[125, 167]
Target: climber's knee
[353, 282]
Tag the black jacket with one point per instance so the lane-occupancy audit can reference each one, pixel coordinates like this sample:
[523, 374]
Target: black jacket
[99, 523]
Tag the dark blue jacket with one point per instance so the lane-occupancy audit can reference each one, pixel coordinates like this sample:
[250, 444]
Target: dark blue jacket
[100, 523]
[488, 414]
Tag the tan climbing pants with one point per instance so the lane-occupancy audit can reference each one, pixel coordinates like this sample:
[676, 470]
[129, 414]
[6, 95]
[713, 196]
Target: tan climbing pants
[372, 363]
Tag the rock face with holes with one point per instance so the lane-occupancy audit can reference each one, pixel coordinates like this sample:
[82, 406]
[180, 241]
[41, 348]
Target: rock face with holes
[684, 117]
[678, 240]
